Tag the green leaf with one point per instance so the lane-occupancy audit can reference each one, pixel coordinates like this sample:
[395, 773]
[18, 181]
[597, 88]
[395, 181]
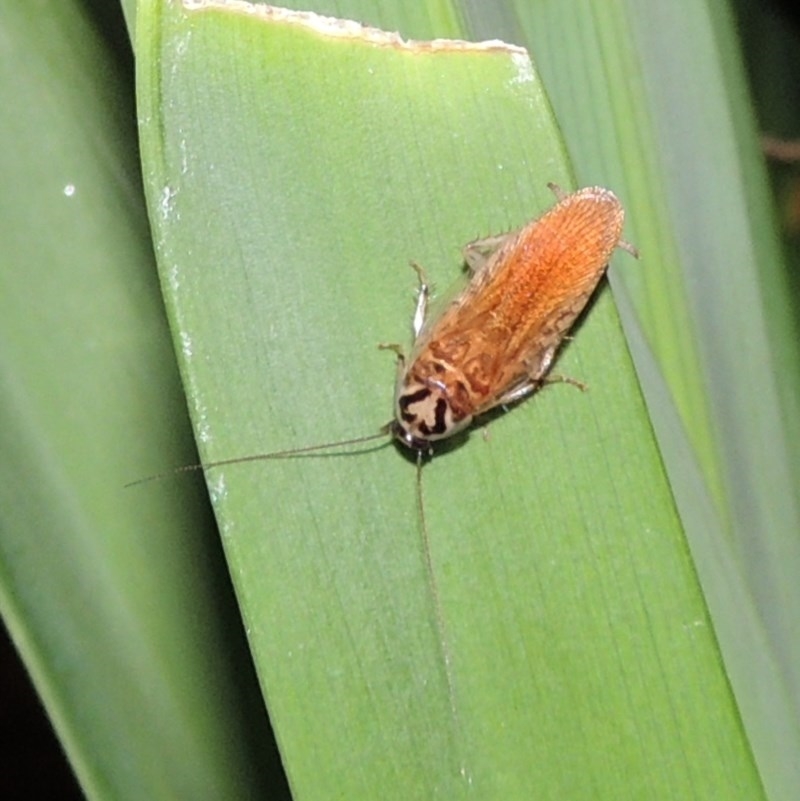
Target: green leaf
[117, 601]
[671, 122]
[293, 168]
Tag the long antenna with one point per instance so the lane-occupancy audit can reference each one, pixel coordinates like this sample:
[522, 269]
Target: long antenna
[258, 457]
[444, 641]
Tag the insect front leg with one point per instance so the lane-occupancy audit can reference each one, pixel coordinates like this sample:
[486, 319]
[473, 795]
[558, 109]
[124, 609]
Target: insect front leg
[423, 293]
[397, 350]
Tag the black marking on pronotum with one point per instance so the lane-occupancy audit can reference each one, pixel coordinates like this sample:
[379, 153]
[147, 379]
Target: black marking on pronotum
[440, 424]
[407, 400]
[415, 397]
[441, 414]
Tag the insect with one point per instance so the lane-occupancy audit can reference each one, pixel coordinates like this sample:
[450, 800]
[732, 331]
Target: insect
[495, 342]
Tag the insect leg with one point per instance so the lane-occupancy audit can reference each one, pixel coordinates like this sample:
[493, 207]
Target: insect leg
[419, 317]
[396, 349]
[518, 393]
[478, 252]
[401, 356]
[565, 379]
[628, 248]
[541, 375]
[557, 191]
[423, 294]
[530, 386]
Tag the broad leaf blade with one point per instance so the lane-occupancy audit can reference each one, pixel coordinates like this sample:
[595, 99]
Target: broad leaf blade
[292, 172]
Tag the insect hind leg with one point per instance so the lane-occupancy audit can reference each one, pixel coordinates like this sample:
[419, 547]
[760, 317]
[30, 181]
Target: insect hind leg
[530, 386]
[476, 254]
[564, 379]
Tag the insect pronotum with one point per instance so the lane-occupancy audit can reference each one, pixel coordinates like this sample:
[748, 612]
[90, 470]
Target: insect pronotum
[495, 342]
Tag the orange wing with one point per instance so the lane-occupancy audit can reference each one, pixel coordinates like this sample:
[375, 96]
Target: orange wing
[506, 325]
